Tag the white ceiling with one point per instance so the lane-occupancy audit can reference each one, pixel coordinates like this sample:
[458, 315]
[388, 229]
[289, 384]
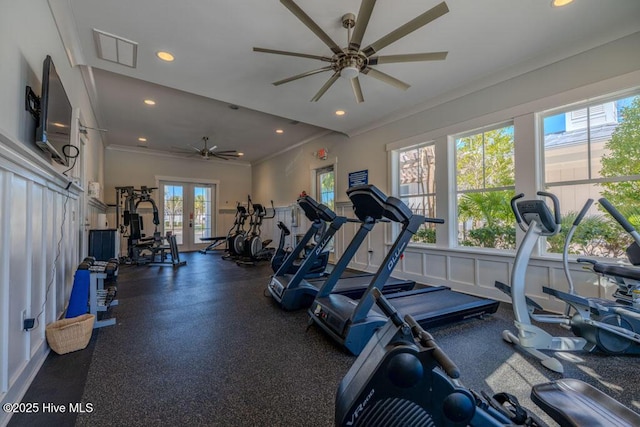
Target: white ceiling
[487, 41]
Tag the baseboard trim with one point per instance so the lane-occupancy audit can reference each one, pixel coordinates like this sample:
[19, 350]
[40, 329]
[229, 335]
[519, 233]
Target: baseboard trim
[20, 386]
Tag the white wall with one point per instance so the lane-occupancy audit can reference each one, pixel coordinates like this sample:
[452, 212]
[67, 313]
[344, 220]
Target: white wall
[133, 168]
[37, 207]
[600, 71]
[126, 168]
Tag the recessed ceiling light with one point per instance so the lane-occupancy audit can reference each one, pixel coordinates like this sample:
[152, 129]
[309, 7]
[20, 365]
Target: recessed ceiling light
[560, 3]
[150, 102]
[59, 125]
[240, 154]
[279, 131]
[340, 113]
[142, 139]
[165, 56]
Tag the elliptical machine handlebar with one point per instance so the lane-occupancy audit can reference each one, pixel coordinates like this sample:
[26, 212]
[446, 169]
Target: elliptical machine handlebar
[556, 205]
[583, 212]
[426, 339]
[273, 212]
[249, 205]
[620, 219]
[567, 244]
[538, 211]
[514, 208]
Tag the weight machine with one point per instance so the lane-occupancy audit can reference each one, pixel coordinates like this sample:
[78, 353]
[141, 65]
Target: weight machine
[140, 248]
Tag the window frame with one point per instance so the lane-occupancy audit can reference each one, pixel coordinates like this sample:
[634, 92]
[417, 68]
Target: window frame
[590, 180]
[569, 108]
[397, 171]
[455, 213]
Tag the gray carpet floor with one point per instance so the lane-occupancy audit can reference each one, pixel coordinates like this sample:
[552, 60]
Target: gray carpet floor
[203, 345]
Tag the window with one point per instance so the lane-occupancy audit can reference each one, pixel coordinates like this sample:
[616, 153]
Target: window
[417, 169]
[485, 182]
[326, 186]
[173, 210]
[592, 152]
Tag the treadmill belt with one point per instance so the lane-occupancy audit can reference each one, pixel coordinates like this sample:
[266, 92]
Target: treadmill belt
[438, 306]
[355, 286]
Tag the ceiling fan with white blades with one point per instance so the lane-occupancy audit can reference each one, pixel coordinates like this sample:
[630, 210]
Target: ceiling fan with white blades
[207, 152]
[354, 60]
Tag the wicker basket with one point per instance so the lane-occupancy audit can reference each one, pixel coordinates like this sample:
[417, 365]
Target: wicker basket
[67, 335]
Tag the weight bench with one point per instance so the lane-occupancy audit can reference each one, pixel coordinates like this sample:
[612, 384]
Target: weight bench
[571, 402]
[215, 242]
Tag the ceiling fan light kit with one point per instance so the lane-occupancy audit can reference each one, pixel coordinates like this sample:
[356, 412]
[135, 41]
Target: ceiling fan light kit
[351, 61]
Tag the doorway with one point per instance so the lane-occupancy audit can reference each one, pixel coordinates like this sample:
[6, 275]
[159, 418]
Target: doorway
[326, 186]
[188, 212]
[326, 193]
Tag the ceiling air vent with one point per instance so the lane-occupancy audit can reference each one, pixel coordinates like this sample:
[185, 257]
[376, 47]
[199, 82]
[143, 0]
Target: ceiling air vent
[115, 49]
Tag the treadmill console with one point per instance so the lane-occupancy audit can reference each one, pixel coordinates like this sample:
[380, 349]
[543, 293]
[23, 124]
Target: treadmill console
[397, 211]
[325, 213]
[314, 210]
[308, 206]
[368, 201]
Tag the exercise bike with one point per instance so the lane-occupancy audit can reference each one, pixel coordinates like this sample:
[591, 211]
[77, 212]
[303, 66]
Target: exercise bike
[403, 378]
[597, 323]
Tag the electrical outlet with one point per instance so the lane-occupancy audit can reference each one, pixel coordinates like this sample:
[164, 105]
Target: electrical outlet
[28, 324]
[23, 315]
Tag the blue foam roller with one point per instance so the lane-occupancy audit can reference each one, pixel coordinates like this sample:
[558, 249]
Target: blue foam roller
[79, 299]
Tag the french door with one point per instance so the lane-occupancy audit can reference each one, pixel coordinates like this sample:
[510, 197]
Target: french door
[188, 212]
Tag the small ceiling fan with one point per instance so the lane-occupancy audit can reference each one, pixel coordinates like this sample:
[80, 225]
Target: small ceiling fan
[207, 152]
[354, 60]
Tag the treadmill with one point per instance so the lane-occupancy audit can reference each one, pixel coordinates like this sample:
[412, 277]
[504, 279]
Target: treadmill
[352, 323]
[294, 291]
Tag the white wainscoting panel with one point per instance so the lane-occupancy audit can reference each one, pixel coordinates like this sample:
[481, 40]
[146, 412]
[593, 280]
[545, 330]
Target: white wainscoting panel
[489, 271]
[462, 270]
[39, 251]
[435, 265]
[413, 263]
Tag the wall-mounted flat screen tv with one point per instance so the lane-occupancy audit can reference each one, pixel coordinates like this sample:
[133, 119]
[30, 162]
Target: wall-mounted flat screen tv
[54, 124]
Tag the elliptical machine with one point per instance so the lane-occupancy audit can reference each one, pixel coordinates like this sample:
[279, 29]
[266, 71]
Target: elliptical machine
[237, 234]
[255, 249]
[598, 323]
